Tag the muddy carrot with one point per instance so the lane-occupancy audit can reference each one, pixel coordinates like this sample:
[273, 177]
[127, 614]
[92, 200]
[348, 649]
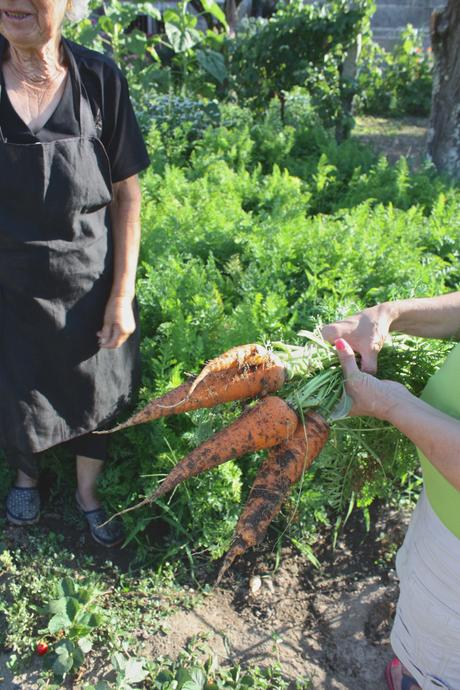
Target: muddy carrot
[265, 425]
[250, 380]
[241, 358]
[284, 466]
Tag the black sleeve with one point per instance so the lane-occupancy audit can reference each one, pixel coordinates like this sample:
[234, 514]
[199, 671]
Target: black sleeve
[121, 135]
[108, 92]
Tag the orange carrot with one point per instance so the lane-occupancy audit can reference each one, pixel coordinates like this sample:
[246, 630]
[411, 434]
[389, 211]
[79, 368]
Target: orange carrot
[283, 467]
[241, 358]
[258, 375]
[265, 425]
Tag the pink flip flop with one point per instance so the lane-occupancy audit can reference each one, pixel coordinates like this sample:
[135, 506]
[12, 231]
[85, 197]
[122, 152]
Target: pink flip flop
[408, 682]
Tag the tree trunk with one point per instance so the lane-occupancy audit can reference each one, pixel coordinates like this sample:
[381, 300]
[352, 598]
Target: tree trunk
[348, 71]
[444, 134]
[231, 16]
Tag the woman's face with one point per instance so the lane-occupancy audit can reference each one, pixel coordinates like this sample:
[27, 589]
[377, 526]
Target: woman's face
[31, 23]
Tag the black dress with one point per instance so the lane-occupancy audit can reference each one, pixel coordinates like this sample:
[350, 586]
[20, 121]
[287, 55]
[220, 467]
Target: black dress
[56, 260]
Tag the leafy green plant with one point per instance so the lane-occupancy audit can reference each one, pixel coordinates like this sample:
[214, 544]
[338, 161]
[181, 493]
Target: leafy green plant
[397, 82]
[175, 124]
[184, 58]
[129, 671]
[75, 614]
[197, 669]
[301, 44]
[193, 48]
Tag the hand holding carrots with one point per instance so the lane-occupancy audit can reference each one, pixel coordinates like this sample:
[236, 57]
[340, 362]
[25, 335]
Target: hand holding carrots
[293, 426]
[371, 397]
[365, 332]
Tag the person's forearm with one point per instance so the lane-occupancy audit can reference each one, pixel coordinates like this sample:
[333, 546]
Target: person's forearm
[434, 433]
[125, 215]
[427, 317]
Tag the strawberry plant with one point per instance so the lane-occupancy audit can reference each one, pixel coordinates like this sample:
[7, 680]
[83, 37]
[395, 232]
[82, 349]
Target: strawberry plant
[75, 615]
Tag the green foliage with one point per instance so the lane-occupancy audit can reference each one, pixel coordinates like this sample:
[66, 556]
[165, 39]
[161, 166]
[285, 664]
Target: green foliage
[75, 614]
[185, 58]
[196, 668]
[301, 45]
[330, 175]
[235, 250]
[128, 670]
[107, 31]
[175, 124]
[397, 82]
[81, 609]
[193, 48]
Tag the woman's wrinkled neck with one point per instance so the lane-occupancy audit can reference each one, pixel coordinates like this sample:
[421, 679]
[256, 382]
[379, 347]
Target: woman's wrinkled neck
[36, 65]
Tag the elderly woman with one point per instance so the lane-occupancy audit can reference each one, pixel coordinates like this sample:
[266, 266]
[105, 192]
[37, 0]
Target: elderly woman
[70, 151]
[426, 630]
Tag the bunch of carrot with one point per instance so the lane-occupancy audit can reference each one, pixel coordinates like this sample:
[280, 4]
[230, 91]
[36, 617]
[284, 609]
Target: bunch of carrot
[273, 424]
[293, 425]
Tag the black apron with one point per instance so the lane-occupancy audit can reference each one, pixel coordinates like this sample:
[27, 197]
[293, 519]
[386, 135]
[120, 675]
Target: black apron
[56, 267]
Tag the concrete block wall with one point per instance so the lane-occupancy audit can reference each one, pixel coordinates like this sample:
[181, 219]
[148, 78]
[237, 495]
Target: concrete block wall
[391, 17]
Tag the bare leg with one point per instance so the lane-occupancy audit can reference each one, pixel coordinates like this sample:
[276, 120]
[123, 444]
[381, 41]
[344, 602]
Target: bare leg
[88, 471]
[24, 481]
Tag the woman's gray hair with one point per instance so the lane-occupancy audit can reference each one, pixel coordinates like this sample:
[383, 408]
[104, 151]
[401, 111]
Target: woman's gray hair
[77, 10]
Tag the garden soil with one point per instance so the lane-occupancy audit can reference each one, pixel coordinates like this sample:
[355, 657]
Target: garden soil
[394, 137]
[329, 624]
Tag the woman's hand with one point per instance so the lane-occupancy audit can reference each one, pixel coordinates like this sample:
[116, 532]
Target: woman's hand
[365, 332]
[119, 322]
[371, 397]
[436, 434]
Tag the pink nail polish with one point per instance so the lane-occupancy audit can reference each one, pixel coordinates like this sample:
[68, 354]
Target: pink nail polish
[340, 344]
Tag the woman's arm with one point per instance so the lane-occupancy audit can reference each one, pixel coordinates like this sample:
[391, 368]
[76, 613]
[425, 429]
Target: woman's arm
[428, 317]
[434, 433]
[125, 215]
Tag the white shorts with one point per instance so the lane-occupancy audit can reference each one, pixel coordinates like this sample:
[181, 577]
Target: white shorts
[426, 630]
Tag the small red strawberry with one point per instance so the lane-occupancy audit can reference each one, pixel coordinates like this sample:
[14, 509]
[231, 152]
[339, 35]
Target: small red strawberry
[41, 648]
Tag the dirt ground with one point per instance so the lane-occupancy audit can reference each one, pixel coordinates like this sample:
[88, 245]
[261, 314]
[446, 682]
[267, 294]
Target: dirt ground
[330, 624]
[394, 137]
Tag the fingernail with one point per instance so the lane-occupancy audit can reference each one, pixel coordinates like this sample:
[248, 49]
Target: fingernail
[340, 344]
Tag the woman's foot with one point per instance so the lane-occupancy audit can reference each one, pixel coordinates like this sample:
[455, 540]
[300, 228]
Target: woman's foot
[398, 677]
[110, 534]
[23, 505]
[88, 471]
